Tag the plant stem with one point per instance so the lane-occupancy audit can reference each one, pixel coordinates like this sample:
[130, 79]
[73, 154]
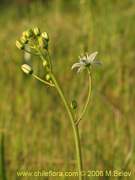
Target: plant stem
[75, 128]
[43, 81]
[87, 100]
[31, 52]
[43, 58]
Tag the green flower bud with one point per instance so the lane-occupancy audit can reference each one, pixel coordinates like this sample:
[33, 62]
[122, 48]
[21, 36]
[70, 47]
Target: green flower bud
[45, 63]
[24, 34]
[27, 69]
[19, 45]
[36, 31]
[24, 40]
[43, 43]
[73, 104]
[29, 33]
[48, 77]
[45, 36]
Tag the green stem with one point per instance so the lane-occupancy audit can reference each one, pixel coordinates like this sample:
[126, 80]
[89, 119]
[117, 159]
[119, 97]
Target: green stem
[43, 58]
[87, 100]
[43, 81]
[35, 54]
[50, 62]
[75, 128]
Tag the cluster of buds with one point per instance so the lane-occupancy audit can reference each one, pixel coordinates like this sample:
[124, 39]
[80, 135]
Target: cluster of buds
[34, 38]
[36, 41]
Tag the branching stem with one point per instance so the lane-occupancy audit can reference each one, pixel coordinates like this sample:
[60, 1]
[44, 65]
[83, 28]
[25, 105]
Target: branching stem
[35, 54]
[75, 128]
[43, 81]
[72, 119]
[87, 100]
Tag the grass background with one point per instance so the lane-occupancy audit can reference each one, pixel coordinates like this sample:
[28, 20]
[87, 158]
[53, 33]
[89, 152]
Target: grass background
[37, 130]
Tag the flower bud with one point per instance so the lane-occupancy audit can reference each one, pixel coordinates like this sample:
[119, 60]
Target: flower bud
[45, 63]
[73, 104]
[24, 40]
[45, 36]
[43, 43]
[19, 45]
[48, 77]
[26, 69]
[36, 31]
[24, 34]
[28, 33]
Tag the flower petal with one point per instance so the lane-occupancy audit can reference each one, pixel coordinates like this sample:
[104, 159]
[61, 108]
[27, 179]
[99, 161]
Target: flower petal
[92, 56]
[81, 69]
[97, 62]
[76, 65]
[83, 62]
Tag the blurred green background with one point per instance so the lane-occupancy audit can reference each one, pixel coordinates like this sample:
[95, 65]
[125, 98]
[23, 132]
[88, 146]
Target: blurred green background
[38, 133]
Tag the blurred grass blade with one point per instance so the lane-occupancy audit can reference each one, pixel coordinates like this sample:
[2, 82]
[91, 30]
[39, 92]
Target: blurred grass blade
[2, 158]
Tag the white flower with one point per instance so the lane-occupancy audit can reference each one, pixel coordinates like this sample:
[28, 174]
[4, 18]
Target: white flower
[86, 61]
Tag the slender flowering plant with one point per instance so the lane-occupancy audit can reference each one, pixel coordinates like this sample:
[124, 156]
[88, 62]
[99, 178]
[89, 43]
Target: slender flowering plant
[36, 43]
